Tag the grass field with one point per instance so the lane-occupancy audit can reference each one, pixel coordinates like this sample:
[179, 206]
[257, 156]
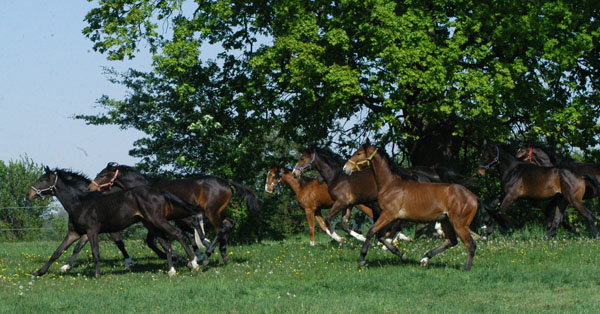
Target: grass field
[517, 273]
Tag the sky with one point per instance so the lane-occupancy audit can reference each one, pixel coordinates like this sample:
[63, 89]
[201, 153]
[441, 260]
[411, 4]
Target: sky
[49, 73]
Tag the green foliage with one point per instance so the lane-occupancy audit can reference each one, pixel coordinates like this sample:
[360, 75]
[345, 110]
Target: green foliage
[16, 214]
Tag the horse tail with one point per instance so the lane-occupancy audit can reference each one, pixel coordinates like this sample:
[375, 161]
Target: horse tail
[247, 195]
[596, 186]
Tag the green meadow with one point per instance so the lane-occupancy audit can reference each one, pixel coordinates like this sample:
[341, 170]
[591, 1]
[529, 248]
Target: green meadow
[515, 273]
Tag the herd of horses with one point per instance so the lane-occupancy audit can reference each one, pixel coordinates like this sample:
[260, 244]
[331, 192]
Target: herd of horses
[369, 180]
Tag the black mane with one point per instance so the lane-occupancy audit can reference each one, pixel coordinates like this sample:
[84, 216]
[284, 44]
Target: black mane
[329, 156]
[70, 176]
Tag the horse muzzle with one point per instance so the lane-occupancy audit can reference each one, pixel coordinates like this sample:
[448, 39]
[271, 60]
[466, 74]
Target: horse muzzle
[296, 173]
[268, 188]
[348, 169]
[481, 171]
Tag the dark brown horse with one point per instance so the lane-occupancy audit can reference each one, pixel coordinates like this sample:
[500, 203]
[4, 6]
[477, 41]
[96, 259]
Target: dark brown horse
[545, 157]
[95, 213]
[210, 193]
[524, 180]
[312, 197]
[451, 204]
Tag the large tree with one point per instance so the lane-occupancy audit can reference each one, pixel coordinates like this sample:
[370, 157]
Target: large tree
[431, 78]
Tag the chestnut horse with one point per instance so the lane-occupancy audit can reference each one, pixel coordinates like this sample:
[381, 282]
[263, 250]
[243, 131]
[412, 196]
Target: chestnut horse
[210, 193]
[451, 204]
[312, 197]
[95, 213]
[525, 180]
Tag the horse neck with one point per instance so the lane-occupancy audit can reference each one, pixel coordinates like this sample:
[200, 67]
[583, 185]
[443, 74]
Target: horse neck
[68, 195]
[381, 170]
[288, 179]
[506, 161]
[327, 171]
[130, 179]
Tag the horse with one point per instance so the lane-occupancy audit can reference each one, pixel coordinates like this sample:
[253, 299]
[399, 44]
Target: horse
[312, 197]
[115, 236]
[451, 204]
[210, 193]
[525, 180]
[543, 156]
[94, 213]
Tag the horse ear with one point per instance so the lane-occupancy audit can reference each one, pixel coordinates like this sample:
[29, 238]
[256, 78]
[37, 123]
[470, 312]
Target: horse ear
[46, 169]
[368, 143]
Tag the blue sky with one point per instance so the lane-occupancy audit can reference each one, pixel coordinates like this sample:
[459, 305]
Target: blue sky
[49, 73]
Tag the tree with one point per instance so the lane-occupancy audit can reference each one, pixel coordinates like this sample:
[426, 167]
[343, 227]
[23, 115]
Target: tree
[431, 79]
[16, 214]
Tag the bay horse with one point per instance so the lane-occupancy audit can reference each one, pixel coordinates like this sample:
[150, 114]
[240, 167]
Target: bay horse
[545, 157]
[451, 204]
[312, 197]
[525, 180]
[93, 213]
[210, 193]
[346, 190]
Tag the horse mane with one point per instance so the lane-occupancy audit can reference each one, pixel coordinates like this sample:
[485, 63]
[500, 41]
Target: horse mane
[69, 175]
[397, 170]
[130, 169]
[555, 158]
[329, 156]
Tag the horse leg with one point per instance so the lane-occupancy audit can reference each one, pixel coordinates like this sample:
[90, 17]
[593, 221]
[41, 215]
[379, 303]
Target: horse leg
[587, 214]
[82, 242]
[176, 233]
[228, 226]
[199, 233]
[345, 227]
[93, 238]
[169, 249]
[560, 205]
[388, 244]
[320, 220]
[465, 236]
[310, 219]
[501, 215]
[150, 237]
[116, 236]
[187, 231]
[381, 222]
[337, 207]
[449, 242]
[71, 237]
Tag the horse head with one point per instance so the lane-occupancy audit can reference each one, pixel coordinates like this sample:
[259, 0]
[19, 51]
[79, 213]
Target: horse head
[274, 176]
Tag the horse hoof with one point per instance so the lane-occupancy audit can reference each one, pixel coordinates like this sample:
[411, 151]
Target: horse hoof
[64, 268]
[205, 262]
[424, 261]
[193, 265]
[312, 243]
[361, 264]
[404, 257]
[172, 272]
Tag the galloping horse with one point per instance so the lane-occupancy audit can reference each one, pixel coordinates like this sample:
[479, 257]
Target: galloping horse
[116, 236]
[345, 190]
[451, 204]
[525, 180]
[311, 195]
[95, 213]
[210, 193]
